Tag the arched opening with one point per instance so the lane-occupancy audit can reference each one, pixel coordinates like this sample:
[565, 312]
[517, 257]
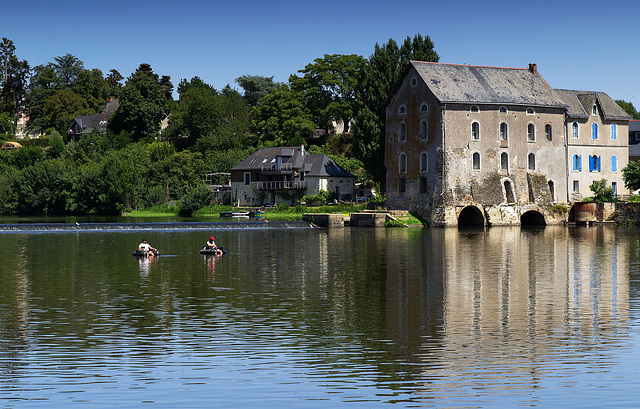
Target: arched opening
[470, 216]
[532, 218]
[552, 191]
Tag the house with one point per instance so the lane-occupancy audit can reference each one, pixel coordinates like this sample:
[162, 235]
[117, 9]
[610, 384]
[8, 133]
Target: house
[597, 144]
[284, 175]
[475, 145]
[634, 140]
[85, 124]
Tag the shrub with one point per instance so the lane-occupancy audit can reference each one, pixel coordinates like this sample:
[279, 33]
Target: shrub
[196, 198]
[634, 199]
[603, 193]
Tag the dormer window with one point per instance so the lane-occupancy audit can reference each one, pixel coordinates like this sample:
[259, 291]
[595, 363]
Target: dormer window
[502, 110]
[530, 111]
[402, 109]
[474, 109]
[594, 111]
[424, 108]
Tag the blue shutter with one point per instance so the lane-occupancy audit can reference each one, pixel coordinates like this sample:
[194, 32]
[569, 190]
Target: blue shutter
[599, 162]
[614, 164]
[580, 163]
[592, 165]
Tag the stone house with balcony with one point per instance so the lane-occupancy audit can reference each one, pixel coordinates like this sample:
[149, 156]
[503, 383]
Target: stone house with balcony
[475, 145]
[286, 174]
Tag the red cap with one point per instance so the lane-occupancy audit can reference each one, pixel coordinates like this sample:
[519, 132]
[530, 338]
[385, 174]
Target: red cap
[210, 238]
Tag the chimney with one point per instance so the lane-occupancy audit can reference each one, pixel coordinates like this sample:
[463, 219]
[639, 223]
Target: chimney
[533, 67]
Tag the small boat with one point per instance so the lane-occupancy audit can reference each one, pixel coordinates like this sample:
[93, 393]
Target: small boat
[240, 214]
[212, 251]
[226, 214]
[256, 213]
[144, 253]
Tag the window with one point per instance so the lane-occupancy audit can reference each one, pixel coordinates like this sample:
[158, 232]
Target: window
[508, 191]
[423, 162]
[424, 128]
[594, 163]
[574, 130]
[552, 190]
[403, 132]
[614, 163]
[594, 111]
[576, 186]
[414, 82]
[424, 108]
[547, 132]
[247, 178]
[594, 131]
[403, 163]
[504, 161]
[531, 161]
[423, 185]
[475, 161]
[531, 133]
[530, 111]
[502, 110]
[614, 132]
[475, 131]
[504, 131]
[474, 109]
[402, 109]
[614, 186]
[577, 163]
[402, 182]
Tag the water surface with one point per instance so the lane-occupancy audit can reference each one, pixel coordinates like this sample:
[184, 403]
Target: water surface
[317, 318]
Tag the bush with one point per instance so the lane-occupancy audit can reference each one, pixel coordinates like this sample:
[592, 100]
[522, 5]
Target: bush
[196, 198]
[603, 193]
[634, 199]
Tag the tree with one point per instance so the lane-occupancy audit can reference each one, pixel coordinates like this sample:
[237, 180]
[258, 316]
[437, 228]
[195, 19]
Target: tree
[142, 105]
[68, 68]
[281, 118]
[329, 87]
[631, 175]
[384, 68]
[44, 83]
[114, 81]
[602, 192]
[255, 87]
[15, 88]
[7, 50]
[93, 87]
[629, 108]
[62, 107]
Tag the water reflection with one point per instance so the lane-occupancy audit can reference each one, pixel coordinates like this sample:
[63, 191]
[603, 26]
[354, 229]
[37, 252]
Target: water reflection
[321, 318]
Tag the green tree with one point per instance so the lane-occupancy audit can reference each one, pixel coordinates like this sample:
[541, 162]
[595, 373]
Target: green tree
[68, 68]
[43, 189]
[142, 105]
[62, 107]
[255, 87]
[44, 83]
[114, 81]
[93, 87]
[15, 89]
[631, 175]
[602, 192]
[281, 118]
[7, 51]
[629, 108]
[384, 68]
[329, 87]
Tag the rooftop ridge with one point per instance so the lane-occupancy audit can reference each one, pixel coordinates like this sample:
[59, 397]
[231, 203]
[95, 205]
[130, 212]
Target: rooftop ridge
[471, 65]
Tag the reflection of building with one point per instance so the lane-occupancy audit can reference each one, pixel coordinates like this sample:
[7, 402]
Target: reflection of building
[511, 302]
[283, 175]
[488, 145]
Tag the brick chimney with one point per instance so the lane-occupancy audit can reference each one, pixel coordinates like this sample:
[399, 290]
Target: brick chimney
[533, 67]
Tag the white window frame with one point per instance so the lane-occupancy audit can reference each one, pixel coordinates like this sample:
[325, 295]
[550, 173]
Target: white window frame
[614, 132]
[530, 111]
[473, 168]
[475, 136]
[474, 109]
[531, 132]
[575, 130]
[402, 110]
[402, 163]
[548, 132]
[402, 132]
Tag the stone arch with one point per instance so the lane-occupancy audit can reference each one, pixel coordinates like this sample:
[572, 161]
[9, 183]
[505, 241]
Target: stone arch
[471, 216]
[532, 218]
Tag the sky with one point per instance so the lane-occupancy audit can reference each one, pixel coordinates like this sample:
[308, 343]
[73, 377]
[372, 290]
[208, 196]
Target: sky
[583, 45]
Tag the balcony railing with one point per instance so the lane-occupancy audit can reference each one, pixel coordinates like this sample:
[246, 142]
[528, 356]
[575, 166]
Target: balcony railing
[281, 185]
[275, 168]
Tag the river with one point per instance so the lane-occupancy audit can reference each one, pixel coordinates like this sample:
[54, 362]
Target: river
[304, 317]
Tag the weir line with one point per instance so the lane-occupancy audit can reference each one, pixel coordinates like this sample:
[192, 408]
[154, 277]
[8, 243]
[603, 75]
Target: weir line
[156, 226]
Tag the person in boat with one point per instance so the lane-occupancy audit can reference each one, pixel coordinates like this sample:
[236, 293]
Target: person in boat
[211, 244]
[144, 246]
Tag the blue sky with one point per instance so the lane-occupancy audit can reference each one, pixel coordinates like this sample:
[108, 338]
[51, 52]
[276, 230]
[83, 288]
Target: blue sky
[586, 45]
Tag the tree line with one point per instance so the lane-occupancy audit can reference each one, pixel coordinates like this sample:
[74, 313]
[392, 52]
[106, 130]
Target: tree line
[137, 163]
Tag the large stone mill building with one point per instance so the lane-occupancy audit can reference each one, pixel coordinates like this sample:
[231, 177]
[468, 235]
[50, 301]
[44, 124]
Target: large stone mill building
[474, 145]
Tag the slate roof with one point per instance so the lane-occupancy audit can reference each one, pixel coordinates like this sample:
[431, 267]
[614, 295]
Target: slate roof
[85, 124]
[318, 165]
[453, 83]
[579, 104]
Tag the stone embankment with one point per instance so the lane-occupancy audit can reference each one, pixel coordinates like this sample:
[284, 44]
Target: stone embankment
[366, 218]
